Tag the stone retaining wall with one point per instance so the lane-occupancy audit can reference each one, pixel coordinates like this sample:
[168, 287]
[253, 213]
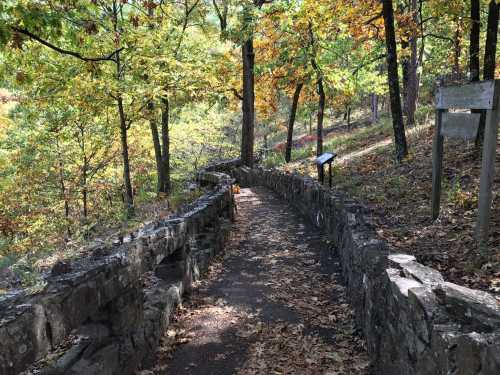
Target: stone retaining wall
[413, 321]
[105, 314]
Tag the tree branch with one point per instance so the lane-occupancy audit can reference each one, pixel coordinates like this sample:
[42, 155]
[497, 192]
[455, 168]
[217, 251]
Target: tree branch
[359, 67]
[375, 17]
[236, 93]
[438, 37]
[110, 57]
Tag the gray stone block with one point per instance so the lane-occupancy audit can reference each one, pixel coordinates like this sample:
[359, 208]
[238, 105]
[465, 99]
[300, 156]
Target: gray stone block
[474, 308]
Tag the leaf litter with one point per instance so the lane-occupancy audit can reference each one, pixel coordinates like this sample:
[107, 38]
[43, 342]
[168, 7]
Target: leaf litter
[310, 329]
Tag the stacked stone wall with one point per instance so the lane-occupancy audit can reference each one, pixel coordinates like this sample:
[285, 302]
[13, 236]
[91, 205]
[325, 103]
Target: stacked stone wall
[413, 320]
[106, 312]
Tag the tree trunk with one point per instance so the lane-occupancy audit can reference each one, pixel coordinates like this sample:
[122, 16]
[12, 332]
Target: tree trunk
[128, 194]
[247, 131]
[491, 41]
[374, 108]
[165, 145]
[349, 118]
[221, 12]
[319, 130]
[405, 71]
[490, 50]
[409, 65]
[128, 198]
[291, 122]
[321, 114]
[84, 187]
[474, 40]
[457, 50]
[413, 84]
[157, 148]
[310, 123]
[64, 193]
[393, 80]
[474, 36]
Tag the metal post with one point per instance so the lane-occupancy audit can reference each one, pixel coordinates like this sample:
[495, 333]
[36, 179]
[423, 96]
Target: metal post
[330, 173]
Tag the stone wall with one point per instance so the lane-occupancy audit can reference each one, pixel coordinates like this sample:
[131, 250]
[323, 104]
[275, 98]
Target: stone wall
[106, 312]
[413, 321]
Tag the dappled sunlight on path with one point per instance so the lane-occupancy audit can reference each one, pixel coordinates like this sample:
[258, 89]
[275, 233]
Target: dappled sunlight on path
[273, 305]
[384, 143]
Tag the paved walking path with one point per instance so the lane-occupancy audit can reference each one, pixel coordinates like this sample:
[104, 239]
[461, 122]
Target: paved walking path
[273, 305]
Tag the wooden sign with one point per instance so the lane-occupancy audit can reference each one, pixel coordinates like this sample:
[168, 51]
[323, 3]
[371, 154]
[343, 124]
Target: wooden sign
[460, 125]
[480, 95]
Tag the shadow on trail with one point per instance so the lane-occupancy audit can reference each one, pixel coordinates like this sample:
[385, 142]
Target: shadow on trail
[274, 304]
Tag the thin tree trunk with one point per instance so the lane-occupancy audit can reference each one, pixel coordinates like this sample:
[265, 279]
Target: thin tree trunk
[291, 122]
[310, 123]
[84, 187]
[64, 194]
[349, 118]
[321, 93]
[165, 144]
[475, 17]
[474, 40]
[321, 114]
[221, 12]
[157, 148]
[413, 84]
[319, 130]
[491, 41]
[247, 133]
[128, 198]
[405, 71]
[457, 50]
[129, 195]
[489, 66]
[393, 80]
[374, 108]
[409, 65]
[421, 48]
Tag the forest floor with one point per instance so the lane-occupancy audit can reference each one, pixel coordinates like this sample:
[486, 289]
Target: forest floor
[273, 304]
[400, 198]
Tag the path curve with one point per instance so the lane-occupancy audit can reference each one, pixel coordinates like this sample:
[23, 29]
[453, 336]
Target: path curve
[273, 305]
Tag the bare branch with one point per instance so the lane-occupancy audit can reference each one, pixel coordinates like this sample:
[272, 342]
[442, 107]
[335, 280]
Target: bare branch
[110, 57]
[236, 93]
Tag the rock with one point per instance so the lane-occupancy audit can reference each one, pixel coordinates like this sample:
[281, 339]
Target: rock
[399, 259]
[8, 279]
[102, 362]
[423, 274]
[61, 268]
[477, 309]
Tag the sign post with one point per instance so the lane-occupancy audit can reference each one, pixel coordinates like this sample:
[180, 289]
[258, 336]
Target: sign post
[480, 95]
[325, 158]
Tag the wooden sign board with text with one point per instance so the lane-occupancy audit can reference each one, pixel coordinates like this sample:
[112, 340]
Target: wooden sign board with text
[479, 95]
